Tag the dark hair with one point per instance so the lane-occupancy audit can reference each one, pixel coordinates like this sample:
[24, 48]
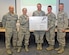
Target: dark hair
[50, 6]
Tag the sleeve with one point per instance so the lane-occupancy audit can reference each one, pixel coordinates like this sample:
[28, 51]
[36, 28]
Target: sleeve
[4, 21]
[17, 17]
[53, 21]
[44, 14]
[65, 21]
[33, 14]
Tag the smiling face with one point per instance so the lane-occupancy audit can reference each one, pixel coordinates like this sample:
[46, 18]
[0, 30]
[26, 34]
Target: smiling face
[49, 9]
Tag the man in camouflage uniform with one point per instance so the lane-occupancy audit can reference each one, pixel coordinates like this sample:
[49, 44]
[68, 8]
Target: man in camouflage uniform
[62, 23]
[9, 23]
[23, 31]
[39, 34]
[50, 34]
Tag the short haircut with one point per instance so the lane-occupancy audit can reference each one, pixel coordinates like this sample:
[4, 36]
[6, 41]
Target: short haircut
[24, 8]
[50, 6]
[61, 3]
[39, 4]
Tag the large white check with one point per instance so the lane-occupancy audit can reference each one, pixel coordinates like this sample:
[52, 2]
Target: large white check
[38, 23]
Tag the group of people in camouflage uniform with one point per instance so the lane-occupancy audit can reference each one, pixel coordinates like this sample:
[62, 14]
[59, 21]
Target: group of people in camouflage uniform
[9, 21]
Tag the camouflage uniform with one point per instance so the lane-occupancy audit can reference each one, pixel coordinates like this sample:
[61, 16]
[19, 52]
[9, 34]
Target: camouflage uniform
[23, 31]
[51, 25]
[62, 23]
[39, 34]
[9, 23]
[50, 34]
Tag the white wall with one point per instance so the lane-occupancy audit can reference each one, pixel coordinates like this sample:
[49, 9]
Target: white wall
[19, 11]
[4, 4]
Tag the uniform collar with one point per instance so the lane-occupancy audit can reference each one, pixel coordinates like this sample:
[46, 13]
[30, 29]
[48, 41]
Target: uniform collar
[39, 11]
[49, 13]
[61, 11]
[10, 14]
